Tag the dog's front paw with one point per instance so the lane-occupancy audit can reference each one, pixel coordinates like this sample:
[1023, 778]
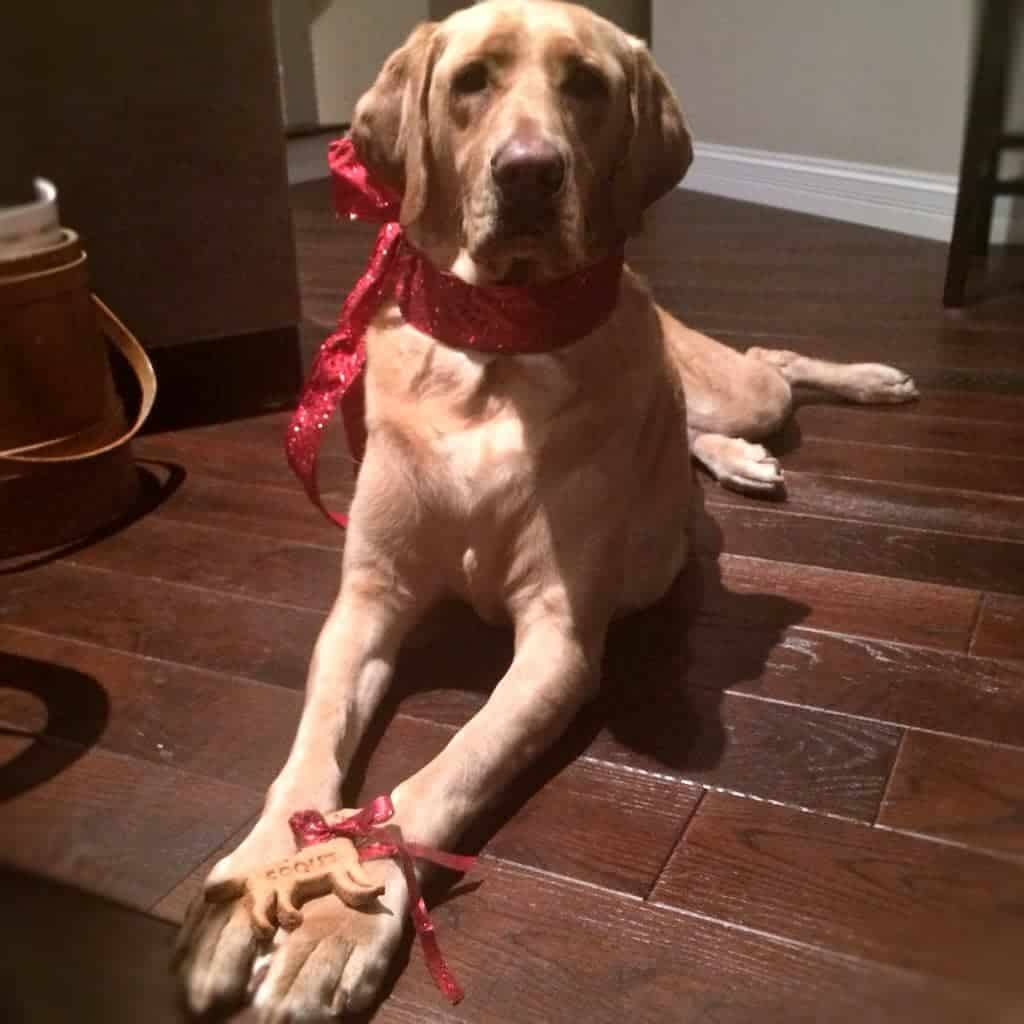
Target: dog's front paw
[324, 960]
[335, 961]
[739, 465]
[219, 941]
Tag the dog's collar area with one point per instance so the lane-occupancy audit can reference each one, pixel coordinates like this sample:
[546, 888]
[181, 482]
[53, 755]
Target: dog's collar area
[493, 319]
[505, 319]
[496, 319]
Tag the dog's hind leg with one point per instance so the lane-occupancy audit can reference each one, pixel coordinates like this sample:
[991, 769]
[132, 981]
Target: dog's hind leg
[730, 401]
[856, 382]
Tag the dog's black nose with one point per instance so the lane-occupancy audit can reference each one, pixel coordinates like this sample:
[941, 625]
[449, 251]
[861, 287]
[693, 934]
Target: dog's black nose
[528, 167]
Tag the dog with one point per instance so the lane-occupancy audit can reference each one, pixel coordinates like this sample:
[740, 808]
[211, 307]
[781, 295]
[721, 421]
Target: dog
[526, 138]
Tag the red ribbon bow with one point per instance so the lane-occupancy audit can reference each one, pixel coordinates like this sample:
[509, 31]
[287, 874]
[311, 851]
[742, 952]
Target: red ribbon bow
[373, 843]
[493, 318]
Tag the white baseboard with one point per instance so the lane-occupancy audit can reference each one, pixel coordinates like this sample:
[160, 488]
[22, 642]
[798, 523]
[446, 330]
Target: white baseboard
[910, 202]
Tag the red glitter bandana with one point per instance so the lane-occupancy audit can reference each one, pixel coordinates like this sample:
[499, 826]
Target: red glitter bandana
[500, 319]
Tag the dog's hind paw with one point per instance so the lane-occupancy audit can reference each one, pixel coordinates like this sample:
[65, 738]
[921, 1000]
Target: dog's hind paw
[876, 383]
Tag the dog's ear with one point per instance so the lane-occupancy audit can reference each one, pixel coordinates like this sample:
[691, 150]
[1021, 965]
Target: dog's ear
[389, 129]
[658, 149]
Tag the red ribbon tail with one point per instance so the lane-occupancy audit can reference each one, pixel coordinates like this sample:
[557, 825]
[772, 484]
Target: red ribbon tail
[337, 375]
[452, 861]
[436, 963]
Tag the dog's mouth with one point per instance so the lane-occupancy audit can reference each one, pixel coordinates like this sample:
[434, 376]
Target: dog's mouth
[519, 221]
[519, 263]
[520, 273]
[525, 244]
[522, 237]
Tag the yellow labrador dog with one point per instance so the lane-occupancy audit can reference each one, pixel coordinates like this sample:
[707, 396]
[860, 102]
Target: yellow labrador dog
[549, 490]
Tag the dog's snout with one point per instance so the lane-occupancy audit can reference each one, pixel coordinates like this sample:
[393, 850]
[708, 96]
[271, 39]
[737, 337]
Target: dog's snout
[528, 167]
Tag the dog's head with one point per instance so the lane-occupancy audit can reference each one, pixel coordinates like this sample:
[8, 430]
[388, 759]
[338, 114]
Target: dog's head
[525, 134]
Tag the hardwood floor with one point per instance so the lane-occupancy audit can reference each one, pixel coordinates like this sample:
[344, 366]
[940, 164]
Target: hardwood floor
[800, 798]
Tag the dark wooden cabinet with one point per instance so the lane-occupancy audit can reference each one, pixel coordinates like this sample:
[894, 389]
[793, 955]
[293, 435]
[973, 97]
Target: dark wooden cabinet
[161, 125]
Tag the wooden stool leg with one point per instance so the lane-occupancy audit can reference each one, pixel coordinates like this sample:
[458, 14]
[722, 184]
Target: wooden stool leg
[990, 170]
[973, 218]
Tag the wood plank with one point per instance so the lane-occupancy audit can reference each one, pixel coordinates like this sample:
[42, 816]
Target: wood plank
[1000, 632]
[935, 413]
[242, 508]
[112, 825]
[857, 890]
[950, 470]
[272, 643]
[585, 822]
[713, 301]
[284, 511]
[763, 593]
[530, 947]
[267, 431]
[711, 280]
[970, 793]
[146, 708]
[747, 524]
[175, 623]
[255, 566]
[918, 429]
[999, 383]
[789, 302]
[915, 347]
[967, 405]
[650, 717]
[810, 759]
[173, 906]
[593, 822]
[793, 755]
[964, 513]
[242, 461]
[911, 686]
[218, 636]
[862, 547]
[752, 591]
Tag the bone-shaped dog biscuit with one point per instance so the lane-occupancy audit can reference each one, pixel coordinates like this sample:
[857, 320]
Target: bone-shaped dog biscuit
[275, 893]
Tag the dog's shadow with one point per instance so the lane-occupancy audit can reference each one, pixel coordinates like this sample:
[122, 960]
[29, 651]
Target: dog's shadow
[665, 673]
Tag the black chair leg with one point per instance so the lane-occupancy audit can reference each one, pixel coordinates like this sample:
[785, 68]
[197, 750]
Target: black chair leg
[972, 222]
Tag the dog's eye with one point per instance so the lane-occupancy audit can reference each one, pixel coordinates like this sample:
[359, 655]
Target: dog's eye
[585, 83]
[472, 78]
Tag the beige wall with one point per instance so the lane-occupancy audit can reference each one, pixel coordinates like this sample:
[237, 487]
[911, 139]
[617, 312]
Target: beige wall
[351, 39]
[871, 81]
[632, 15]
[295, 62]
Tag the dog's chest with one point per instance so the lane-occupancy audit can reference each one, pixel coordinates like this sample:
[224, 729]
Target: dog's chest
[475, 425]
[480, 456]
[481, 446]
[475, 429]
